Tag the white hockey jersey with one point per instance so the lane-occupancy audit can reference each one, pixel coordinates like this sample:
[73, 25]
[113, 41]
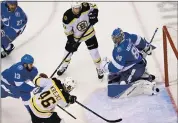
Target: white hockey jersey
[43, 103]
[77, 24]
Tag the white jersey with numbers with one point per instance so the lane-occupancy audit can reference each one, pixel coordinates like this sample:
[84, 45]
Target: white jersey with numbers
[43, 103]
[77, 24]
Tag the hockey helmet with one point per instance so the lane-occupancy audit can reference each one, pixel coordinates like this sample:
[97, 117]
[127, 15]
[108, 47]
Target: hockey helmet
[12, 5]
[69, 84]
[76, 5]
[27, 59]
[14, 2]
[118, 35]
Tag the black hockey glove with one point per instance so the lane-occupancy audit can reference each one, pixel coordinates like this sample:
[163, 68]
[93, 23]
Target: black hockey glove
[71, 45]
[72, 99]
[93, 17]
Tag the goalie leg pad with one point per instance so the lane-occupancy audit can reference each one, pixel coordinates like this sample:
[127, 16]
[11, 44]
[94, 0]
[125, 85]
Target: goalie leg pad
[131, 90]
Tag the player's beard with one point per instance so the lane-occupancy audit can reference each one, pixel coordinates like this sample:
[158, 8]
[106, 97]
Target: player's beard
[29, 67]
[11, 8]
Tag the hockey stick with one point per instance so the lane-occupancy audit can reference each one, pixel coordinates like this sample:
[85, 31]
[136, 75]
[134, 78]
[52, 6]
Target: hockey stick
[61, 64]
[109, 121]
[67, 112]
[153, 35]
[70, 52]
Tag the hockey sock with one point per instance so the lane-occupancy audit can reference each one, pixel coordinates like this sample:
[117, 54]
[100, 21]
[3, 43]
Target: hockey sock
[96, 57]
[68, 59]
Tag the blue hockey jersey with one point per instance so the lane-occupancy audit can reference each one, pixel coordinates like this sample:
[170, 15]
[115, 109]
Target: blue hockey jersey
[19, 77]
[16, 20]
[127, 53]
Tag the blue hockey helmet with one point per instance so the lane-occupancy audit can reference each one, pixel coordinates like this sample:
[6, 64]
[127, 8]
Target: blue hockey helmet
[118, 35]
[12, 2]
[27, 59]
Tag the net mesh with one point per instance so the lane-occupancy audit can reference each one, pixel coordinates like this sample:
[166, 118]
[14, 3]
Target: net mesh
[172, 60]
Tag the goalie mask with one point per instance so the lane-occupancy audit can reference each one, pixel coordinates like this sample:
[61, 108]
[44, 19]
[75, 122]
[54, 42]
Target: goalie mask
[69, 84]
[118, 35]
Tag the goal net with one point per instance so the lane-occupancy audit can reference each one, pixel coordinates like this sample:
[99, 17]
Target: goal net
[170, 51]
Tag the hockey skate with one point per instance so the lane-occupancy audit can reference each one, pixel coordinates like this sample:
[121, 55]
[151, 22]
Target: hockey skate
[5, 53]
[100, 73]
[62, 70]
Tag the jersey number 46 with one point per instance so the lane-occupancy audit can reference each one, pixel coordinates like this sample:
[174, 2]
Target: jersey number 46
[47, 99]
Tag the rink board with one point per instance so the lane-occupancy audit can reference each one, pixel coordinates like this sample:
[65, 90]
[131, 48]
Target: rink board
[140, 109]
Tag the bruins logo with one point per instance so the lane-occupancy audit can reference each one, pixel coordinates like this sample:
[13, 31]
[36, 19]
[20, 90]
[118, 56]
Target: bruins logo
[65, 17]
[82, 26]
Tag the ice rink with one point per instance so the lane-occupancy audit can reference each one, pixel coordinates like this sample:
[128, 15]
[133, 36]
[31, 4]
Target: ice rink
[44, 39]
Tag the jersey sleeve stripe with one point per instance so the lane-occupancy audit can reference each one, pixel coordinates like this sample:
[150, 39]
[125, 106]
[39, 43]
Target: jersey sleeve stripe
[4, 80]
[118, 66]
[138, 40]
[37, 81]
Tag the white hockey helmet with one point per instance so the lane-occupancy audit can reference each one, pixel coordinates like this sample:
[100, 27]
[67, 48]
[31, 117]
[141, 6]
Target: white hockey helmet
[76, 5]
[69, 83]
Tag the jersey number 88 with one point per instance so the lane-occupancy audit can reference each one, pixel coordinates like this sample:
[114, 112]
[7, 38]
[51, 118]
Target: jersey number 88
[135, 52]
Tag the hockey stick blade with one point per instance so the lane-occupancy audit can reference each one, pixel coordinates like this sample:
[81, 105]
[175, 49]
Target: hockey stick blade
[109, 121]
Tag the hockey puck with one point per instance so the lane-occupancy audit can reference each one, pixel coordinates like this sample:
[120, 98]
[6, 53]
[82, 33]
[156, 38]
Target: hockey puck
[157, 89]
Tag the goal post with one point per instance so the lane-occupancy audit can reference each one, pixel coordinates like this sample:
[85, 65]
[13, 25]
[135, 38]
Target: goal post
[167, 38]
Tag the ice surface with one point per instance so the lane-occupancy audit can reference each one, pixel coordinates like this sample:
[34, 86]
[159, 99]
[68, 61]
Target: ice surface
[140, 109]
[44, 38]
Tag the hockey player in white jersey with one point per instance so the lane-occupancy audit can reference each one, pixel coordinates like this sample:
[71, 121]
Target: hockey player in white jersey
[42, 105]
[75, 22]
[127, 74]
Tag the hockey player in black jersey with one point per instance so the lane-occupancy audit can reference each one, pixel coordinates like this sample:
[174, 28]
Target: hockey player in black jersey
[54, 92]
[75, 22]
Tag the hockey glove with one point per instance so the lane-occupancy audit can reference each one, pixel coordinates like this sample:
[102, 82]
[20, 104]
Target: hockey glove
[93, 17]
[72, 99]
[147, 51]
[72, 45]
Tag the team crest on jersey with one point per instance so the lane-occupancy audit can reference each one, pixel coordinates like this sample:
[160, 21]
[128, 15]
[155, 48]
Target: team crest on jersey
[119, 49]
[119, 58]
[17, 14]
[65, 17]
[20, 67]
[82, 26]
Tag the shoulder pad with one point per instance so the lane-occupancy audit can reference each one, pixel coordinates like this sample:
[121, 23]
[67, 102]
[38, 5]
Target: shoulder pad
[68, 16]
[35, 70]
[85, 6]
